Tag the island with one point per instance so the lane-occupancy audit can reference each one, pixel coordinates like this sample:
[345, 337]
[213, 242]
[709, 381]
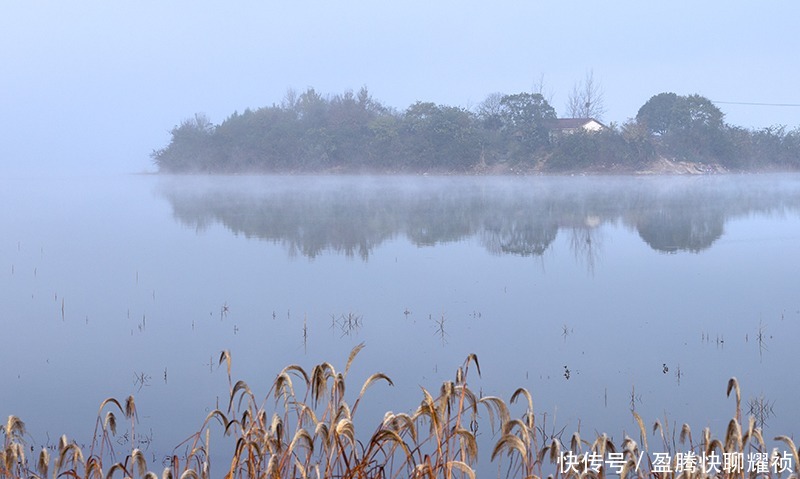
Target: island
[505, 134]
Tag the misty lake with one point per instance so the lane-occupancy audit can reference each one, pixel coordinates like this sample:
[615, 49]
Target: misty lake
[600, 295]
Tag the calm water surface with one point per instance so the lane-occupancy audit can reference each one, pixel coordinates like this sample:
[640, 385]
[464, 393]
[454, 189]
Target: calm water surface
[599, 295]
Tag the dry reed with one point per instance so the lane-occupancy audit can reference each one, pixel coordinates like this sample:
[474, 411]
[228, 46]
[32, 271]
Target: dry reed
[304, 428]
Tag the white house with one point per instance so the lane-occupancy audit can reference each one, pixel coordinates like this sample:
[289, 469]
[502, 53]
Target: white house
[562, 126]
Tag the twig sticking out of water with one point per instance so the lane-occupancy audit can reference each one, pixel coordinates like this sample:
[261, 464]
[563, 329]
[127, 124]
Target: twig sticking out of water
[761, 337]
[440, 331]
[761, 409]
[305, 333]
[348, 324]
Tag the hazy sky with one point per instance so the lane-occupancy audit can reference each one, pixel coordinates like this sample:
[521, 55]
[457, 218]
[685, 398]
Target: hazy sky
[96, 85]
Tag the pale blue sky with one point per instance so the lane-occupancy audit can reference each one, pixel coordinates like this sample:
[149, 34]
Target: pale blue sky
[96, 85]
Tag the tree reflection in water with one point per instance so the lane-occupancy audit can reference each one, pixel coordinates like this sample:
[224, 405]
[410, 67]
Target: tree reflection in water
[353, 215]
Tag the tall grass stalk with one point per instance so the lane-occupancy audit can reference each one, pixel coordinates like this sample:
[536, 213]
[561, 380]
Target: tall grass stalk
[305, 428]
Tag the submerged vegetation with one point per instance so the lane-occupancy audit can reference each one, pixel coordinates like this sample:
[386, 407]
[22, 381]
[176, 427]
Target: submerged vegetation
[512, 133]
[306, 427]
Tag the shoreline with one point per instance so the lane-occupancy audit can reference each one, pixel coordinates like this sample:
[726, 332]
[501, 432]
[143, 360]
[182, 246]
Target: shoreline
[659, 167]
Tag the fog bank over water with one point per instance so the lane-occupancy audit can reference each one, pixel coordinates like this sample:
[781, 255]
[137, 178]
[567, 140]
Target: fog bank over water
[354, 215]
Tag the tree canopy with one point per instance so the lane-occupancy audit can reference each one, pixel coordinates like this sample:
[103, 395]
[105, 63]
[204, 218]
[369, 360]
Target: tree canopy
[667, 113]
[688, 126]
[353, 132]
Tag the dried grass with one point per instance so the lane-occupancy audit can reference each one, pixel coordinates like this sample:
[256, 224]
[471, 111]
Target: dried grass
[306, 428]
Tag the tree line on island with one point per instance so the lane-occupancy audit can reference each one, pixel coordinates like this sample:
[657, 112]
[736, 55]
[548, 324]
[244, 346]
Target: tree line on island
[353, 132]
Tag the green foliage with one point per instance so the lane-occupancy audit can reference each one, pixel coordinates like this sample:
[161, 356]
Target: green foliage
[524, 118]
[352, 132]
[668, 113]
[690, 127]
[657, 113]
[603, 150]
[641, 147]
[695, 112]
[771, 146]
[439, 135]
[525, 110]
[192, 148]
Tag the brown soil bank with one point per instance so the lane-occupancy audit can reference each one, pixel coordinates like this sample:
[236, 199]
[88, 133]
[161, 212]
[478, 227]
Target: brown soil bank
[659, 166]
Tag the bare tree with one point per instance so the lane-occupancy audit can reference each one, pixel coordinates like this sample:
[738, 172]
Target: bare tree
[490, 111]
[290, 99]
[491, 105]
[586, 99]
[538, 86]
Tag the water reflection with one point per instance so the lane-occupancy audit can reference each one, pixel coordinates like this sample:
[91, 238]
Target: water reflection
[660, 333]
[675, 229]
[354, 215]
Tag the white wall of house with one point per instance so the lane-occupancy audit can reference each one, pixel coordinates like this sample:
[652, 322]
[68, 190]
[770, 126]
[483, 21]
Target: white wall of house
[592, 125]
